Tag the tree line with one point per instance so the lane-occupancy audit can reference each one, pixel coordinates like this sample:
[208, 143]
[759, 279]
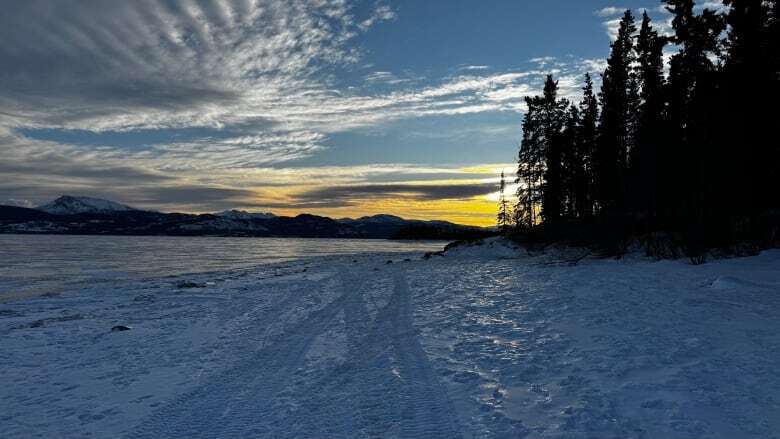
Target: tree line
[689, 147]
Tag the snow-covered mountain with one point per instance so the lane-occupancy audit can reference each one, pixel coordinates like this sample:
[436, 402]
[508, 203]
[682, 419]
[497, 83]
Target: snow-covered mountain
[244, 215]
[69, 205]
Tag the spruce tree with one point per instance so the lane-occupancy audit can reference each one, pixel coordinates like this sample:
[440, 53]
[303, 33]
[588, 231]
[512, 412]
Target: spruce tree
[589, 116]
[751, 65]
[574, 180]
[650, 154]
[529, 167]
[553, 113]
[617, 97]
[693, 81]
[503, 218]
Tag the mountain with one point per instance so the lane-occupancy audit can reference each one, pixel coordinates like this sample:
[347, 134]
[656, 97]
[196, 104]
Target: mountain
[244, 215]
[376, 219]
[92, 216]
[69, 205]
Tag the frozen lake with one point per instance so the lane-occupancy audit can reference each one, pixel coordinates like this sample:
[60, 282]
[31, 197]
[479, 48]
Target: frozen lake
[40, 264]
[483, 342]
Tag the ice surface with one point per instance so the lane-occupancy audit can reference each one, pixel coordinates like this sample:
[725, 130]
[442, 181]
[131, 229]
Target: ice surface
[473, 344]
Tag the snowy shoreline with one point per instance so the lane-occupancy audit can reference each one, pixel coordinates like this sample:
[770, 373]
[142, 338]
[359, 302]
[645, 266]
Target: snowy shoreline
[477, 343]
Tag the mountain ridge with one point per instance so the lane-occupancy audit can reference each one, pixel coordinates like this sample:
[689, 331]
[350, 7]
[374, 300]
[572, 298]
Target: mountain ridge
[93, 216]
[69, 205]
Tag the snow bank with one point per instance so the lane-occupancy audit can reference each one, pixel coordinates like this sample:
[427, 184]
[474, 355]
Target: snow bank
[488, 248]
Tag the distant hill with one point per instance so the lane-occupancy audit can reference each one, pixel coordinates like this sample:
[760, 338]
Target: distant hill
[69, 205]
[93, 216]
[244, 215]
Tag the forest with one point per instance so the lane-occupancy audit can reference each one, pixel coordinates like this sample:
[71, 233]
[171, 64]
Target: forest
[677, 149]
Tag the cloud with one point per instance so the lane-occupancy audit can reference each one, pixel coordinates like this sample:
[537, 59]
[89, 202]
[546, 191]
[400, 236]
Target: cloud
[477, 67]
[386, 78]
[193, 198]
[381, 13]
[146, 64]
[662, 20]
[255, 77]
[612, 26]
[37, 171]
[334, 196]
[18, 203]
[716, 6]
[252, 67]
[610, 11]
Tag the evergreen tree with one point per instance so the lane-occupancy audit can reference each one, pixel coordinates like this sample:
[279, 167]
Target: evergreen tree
[552, 118]
[773, 38]
[589, 116]
[574, 179]
[540, 172]
[529, 167]
[503, 219]
[752, 65]
[617, 97]
[691, 164]
[650, 153]
[691, 86]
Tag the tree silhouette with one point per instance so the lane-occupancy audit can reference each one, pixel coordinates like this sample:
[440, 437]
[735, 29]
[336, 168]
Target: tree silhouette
[618, 94]
[692, 154]
[504, 217]
[530, 167]
[589, 111]
[649, 150]
[552, 119]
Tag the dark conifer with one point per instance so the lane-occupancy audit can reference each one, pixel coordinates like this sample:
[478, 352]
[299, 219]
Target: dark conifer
[692, 84]
[650, 154]
[553, 115]
[574, 179]
[696, 149]
[614, 130]
[589, 116]
[751, 65]
[503, 219]
[529, 167]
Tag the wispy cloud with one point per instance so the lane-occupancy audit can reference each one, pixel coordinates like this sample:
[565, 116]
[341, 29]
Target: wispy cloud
[381, 13]
[474, 67]
[610, 11]
[662, 20]
[256, 73]
[716, 6]
[352, 194]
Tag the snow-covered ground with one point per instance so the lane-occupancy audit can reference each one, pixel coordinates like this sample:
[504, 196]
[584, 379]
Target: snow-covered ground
[483, 342]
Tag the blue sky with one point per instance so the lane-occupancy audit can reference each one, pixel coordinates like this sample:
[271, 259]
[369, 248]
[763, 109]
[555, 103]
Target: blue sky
[261, 104]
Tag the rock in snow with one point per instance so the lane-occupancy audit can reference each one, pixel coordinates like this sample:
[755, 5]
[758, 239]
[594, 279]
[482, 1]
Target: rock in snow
[120, 328]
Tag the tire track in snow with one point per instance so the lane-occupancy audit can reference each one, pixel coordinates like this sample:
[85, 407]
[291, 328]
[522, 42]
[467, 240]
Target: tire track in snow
[386, 386]
[233, 404]
[427, 410]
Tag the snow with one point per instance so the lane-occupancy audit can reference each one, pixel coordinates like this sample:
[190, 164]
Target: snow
[485, 341]
[69, 205]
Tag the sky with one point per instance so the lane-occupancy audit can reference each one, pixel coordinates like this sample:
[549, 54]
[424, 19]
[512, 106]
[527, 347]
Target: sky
[334, 107]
